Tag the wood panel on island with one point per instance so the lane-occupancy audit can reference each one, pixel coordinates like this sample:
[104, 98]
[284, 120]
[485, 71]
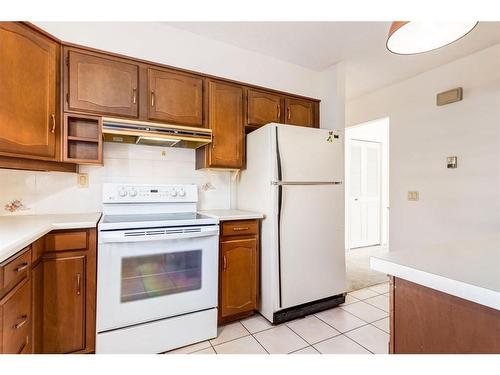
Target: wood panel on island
[428, 321]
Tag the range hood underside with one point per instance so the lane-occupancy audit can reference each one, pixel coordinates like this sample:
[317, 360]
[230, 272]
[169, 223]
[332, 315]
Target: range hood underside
[153, 134]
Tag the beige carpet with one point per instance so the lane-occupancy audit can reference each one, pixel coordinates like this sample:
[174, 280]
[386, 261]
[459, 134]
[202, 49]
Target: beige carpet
[359, 273]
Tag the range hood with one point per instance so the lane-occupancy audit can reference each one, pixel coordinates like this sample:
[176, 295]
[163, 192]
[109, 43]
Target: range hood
[154, 134]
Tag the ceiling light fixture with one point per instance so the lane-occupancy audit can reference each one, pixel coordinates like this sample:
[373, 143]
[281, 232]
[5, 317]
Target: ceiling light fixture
[412, 37]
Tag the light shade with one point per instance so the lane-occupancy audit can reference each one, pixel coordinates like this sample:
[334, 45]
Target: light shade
[407, 38]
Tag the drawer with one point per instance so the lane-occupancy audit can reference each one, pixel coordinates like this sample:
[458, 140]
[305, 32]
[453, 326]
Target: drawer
[17, 268]
[63, 241]
[16, 324]
[240, 227]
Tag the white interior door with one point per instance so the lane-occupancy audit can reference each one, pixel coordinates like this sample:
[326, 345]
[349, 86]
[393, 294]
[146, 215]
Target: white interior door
[364, 193]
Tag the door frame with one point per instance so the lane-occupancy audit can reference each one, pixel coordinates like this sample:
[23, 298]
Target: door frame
[384, 180]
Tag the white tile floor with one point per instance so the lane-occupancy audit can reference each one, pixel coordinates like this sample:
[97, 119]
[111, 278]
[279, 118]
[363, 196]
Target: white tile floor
[360, 326]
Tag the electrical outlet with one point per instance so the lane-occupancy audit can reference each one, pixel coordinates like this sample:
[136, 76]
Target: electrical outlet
[413, 196]
[83, 180]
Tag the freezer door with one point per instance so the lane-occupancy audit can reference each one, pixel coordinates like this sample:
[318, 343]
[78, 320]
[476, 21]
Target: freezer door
[306, 154]
[311, 243]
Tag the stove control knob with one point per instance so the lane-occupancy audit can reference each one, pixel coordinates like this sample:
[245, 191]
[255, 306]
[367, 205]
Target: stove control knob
[133, 193]
[122, 193]
[182, 193]
[173, 193]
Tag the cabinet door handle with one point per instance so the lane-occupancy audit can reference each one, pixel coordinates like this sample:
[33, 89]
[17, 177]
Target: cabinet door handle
[25, 343]
[53, 118]
[279, 112]
[152, 98]
[237, 229]
[22, 322]
[78, 284]
[134, 96]
[289, 114]
[224, 261]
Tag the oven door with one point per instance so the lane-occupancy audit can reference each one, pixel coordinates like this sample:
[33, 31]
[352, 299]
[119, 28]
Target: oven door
[149, 274]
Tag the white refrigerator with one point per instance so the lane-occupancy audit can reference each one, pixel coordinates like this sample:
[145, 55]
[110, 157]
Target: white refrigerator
[294, 176]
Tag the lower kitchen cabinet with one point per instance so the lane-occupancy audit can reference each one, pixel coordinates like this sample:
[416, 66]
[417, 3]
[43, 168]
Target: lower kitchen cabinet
[238, 270]
[15, 304]
[50, 307]
[15, 317]
[64, 303]
[63, 315]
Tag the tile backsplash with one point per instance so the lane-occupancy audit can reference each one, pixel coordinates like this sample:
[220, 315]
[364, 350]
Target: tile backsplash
[54, 192]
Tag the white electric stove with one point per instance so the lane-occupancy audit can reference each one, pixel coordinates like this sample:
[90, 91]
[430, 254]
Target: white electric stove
[157, 269]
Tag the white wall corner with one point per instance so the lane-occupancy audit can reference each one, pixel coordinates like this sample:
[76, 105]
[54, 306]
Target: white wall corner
[332, 89]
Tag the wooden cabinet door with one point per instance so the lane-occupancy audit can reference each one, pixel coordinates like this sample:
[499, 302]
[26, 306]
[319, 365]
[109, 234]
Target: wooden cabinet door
[64, 304]
[263, 108]
[238, 276]
[299, 112]
[175, 97]
[102, 85]
[225, 114]
[29, 119]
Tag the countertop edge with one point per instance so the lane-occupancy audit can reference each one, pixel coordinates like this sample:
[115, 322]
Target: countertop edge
[14, 247]
[222, 217]
[482, 296]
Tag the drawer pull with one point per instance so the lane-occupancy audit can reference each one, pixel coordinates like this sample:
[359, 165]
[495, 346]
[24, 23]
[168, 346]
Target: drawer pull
[225, 262]
[22, 267]
[22, 322]
[237, 229]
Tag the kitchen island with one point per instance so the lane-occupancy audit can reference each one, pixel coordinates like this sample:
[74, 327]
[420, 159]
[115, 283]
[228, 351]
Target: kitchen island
[444, 299]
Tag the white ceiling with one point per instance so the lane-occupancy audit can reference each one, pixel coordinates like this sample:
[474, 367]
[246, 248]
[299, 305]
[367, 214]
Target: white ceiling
[361, 45]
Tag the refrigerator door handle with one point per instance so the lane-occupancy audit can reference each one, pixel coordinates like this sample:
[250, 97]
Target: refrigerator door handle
[280, 201]
[282, 183]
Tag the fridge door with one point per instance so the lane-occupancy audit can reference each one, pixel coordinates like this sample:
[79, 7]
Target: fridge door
[306, 154]
[311, 243]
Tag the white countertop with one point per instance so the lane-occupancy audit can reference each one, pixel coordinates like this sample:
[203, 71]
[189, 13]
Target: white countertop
[466, 269]
[17, 232]
[225, 215]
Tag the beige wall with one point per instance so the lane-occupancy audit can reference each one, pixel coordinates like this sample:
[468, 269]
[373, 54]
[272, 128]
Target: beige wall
[455, 204]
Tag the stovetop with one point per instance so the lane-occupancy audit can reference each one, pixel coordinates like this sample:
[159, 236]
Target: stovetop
[154, 220]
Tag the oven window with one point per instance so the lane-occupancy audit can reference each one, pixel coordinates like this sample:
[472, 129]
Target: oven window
[158, 275]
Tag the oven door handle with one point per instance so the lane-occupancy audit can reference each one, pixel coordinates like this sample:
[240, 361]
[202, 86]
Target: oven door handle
[138, 235]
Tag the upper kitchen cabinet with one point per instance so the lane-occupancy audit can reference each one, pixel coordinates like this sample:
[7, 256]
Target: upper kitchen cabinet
[226, 119]
[175, 97]
[300, 112]
[263, 108]
[29, 93]
[102, 85]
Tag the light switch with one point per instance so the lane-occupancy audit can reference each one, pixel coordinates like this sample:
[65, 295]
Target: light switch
[83, 180]
[413, 196]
